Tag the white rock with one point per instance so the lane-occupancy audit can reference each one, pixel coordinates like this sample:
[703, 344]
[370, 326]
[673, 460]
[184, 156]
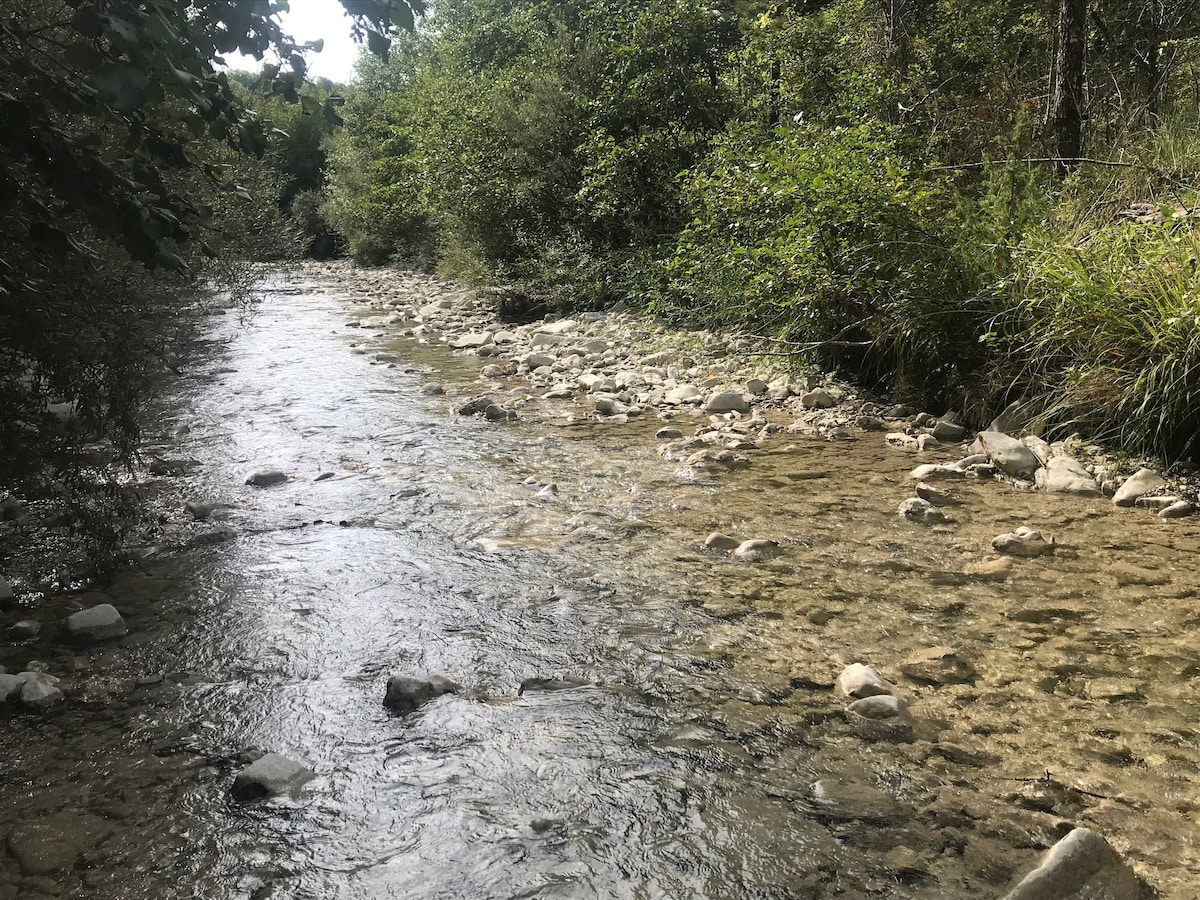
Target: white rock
[1179, 510]
[727, 401]
[1023, 542]
[39, 690]
[898, 440]
[857, 681]
[269, 776]
[1066, 475]
[915, 509]
[1082, 865]
[718, 541]
[1010, 455]
[472, 340]
[1143, 481]
[97, 623]
[562, 326]
[685, 393]
[934, 472]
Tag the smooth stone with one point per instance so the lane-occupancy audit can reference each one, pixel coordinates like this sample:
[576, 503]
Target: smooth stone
[756, 549]
[432, 389]
[914, 509]
[1010, 455]
[684, 393]
[938, 665]
[537, 360]
[668, 434]
[881, 718]
[219, 535]
[39, 690]
[934, 471]
[97, 623]
[1039, 447]
[472, 340]
[562, 326]
[727, 401]
[1141, 482]
[947, 431]
[933, 495]
[1066, 475]
[1156, 504]
[24, 630]
[818, 398]
[10, 687]
[270, 776]
[541, 683]
[56, 842]
[880, 707]
[1023, 542]
[1082, 866]
[718, 541]
[607, 406]
[406, 692]
[849, 801]
[757, 387]
[990, 569]
[1180, 510]
[857, 681]
[492, 371]
[267, 478]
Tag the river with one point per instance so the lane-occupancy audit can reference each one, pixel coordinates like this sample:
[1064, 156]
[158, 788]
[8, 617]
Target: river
[683, 767]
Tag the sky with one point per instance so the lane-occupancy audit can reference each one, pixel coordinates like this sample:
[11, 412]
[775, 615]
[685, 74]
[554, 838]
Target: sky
[307, 20]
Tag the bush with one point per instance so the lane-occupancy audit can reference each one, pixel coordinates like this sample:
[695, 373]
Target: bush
[1104, 327]
[822, 238]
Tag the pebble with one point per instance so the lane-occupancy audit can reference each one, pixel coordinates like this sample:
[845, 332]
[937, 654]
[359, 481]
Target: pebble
[1179, 510]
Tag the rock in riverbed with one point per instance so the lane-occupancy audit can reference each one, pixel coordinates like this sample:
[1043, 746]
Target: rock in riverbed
[97, 623]
[56, 842]
[267, 478]
[1023, 542]
[39, 690]
[406, 692]
[857, 681]
[914, 509]
[1066, 475]
[270, 776]
[1010, 455]
[1081, 865]
[1141, 482]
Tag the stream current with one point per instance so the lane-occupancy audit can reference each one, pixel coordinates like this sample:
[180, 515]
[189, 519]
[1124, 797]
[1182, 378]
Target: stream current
[684, 767]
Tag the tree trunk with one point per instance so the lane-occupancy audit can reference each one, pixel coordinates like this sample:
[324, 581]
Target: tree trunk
[1066, 108]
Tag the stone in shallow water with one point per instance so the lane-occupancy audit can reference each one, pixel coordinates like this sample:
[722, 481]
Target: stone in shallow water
[1066, 475]
[1082, 866]
[10, 687]
[39, 690]
[1141, 482]
[718, 541]
[857, 681]
[834, 798]
[406, 692]
[270, 776]
[1179, 510]
[55, 843]
[267, 478]
[1010, 455]
[1023, 542]
[727, 401]
[938, 665]
[756, 549]
[914, 509]
[990, 569]
[97, 623]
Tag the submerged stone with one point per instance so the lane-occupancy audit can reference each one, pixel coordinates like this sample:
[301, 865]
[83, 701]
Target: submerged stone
[270, 776]
[1082, 866]
[406, 692]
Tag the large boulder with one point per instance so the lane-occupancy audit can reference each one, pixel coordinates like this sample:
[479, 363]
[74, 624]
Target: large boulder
[269, 776]
[1011, 456]
[1082, 866]
[97, 623]
[1140, 483]
[1066, 475]
[406, 692]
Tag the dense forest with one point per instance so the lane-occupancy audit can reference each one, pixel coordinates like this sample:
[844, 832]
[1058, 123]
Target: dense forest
[959, 204]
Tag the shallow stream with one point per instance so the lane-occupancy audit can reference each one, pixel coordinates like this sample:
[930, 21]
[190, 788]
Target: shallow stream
[683, 769]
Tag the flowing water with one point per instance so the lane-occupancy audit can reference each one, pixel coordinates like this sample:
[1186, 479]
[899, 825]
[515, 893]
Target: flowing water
[683, 767]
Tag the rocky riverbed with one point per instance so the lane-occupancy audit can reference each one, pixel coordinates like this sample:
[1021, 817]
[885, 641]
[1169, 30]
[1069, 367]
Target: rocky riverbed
[713, 630]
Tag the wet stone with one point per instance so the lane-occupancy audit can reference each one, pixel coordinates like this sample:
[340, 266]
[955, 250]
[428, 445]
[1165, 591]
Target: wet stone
[727, 401]
[990, 569]
[267, 478]
[55, 843]
[10, 687]
[407, 692]
[668, 434]
[834, 798]
[39, 690]
[270, 776]
[857, 681]
[932, 495]
[97, 623]
[1023, 542]
[1080, 866]
[1179, 510]
[25, 630]
[914, 509]
[718, 541]
[756, 549]
[938, 665]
